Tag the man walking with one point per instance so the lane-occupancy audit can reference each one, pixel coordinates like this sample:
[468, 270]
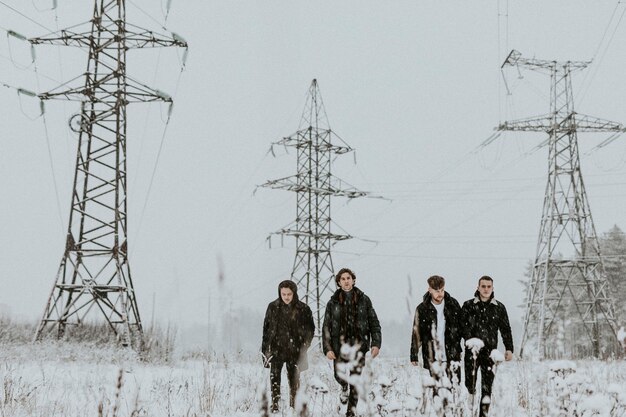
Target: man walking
[350, 329]
[438, 315]
[287, 332]
[484, 317]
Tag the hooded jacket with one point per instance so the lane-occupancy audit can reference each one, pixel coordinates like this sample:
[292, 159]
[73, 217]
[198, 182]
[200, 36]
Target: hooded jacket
[350, 319]
[422, 336]
[288, 328]
[483, 320]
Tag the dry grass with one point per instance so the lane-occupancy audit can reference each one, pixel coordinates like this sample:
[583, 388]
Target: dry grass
[94, 377]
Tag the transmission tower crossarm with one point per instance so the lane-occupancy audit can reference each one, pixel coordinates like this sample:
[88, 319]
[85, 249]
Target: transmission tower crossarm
[135, 92]
[291, 183]
[133, 36]
[573, 121]
[141, 38]
[302, 139]
[515, 59]
[585, 123]
[305, 233]
[532, 124]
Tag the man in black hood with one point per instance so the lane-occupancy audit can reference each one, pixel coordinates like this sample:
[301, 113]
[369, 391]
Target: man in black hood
[287, 333]
[484, 317]
[439, 315]
[350, 329]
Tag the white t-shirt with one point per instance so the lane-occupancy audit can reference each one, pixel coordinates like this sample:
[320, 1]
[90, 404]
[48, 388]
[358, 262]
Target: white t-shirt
[441, 328]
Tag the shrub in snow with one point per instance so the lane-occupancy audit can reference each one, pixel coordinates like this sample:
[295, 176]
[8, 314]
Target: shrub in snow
[496, 356]
[349, 352]
[558, 399]
[352, 356]
[384, 383]
[313, 397]
[618, 392]
[317, 386]
[444, 395]
[264, 404]
[475, 345]
[562, 367]
[594, 405]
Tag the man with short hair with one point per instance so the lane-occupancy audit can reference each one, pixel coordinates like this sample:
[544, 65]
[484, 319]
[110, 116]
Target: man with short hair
[439, 314]
[287, 332]
[484, 317]
[350, 329]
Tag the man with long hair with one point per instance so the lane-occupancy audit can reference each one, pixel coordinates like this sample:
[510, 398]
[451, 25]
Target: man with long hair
[351, 329]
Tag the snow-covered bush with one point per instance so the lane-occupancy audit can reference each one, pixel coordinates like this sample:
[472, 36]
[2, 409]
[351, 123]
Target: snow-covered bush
[75, 380]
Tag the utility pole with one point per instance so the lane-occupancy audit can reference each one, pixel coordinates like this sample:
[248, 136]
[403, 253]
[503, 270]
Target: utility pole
[314, 185]
[568, 280]
[94, 274]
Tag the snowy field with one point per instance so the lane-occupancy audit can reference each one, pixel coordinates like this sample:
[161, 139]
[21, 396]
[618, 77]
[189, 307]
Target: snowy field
[71, 380]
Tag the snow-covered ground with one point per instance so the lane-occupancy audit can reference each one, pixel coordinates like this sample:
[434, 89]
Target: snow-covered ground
[71, 380]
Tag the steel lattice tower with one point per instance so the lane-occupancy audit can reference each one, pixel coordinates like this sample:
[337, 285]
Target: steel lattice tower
[568, 270]
[314, 186]
[94, 273]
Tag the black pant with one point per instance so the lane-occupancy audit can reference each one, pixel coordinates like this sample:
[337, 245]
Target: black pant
[293, 375]
[484, 365]
[355, 367]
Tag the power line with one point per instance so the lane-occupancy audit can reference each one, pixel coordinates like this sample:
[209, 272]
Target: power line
[405, 256]
[25, 16]
[147, 14]
[156, 162]
[596, 68]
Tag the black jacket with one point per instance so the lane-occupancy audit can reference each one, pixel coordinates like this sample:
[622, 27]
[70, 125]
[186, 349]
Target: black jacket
[287, 329]
[483, 320]
[350, 322]
[422, 336]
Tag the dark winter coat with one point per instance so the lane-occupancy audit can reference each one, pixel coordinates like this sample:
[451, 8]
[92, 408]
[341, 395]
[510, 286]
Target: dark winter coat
[353, 322]
[483, 320]
[288, 329]
[425, 318]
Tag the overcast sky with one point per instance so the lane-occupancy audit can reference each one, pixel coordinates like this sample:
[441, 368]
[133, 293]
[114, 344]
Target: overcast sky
[414, 86]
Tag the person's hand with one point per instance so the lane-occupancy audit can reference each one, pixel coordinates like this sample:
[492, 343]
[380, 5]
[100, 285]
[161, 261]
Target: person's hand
[414, 363]
[375, 351]
[508, 355]
[331, 355]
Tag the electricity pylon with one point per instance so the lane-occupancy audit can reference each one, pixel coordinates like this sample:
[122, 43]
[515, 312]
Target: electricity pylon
[94, 273]
[568, 271]
[314, 186]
